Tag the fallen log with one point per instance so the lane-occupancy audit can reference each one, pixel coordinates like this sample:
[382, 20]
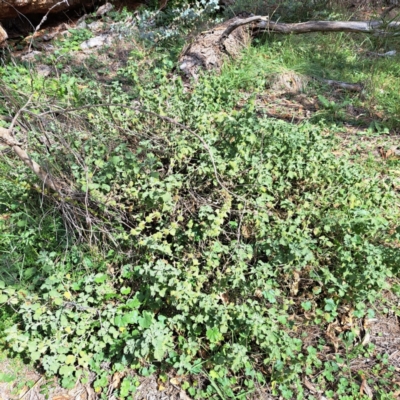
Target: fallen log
[16, 8]
[226, 40]
[207, 52]
[377, 27]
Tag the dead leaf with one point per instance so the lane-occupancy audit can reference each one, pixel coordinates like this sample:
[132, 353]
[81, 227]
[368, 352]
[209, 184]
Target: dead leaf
[294, 287]
[116, 379]
[310, 386]
[366, 339]
[82, 395]
[396, 394]
[365, 389]
[368, 322]
[382, 152]
[176, 381]
[61, 397]
[347, 320]
[392, 152]
[309, 315]
[330, 333]
[389, 153]
[246, 231]
[224, 297]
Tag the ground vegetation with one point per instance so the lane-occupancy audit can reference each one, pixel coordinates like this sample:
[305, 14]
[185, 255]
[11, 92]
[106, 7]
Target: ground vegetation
[230, 236]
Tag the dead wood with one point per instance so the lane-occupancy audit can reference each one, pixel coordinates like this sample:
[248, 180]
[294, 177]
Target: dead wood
[353, 87]
[79, 211]
[207, 52]
[7, 138]
[3, 36]
[210, 48]
[376, 27]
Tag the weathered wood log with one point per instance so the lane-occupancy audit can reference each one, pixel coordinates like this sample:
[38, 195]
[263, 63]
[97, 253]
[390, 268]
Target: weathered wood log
[3, 36]
[210, 48]
[206, 51]
[14, 8]
[377, 27]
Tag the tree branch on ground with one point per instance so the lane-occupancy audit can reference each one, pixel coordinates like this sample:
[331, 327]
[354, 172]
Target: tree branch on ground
[210, 48]
[7, 138]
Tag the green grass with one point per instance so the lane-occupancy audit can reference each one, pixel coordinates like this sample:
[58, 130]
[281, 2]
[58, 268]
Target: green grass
[7, 377]
[15, 374]
[343, 57]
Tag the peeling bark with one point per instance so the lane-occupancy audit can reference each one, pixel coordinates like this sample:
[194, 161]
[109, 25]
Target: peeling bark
[210, 49]
[3, 36]
[208, 52]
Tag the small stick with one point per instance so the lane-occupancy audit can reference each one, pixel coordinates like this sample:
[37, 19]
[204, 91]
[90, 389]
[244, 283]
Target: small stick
[28, 391]
[355, 87]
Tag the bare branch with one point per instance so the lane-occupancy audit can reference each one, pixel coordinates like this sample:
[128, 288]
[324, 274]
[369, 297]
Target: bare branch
[162, 117]
[240, 22]
[18, 113]
[7, 138]
[354, 87]
[210, 48]
[44, 19]
[327, 26]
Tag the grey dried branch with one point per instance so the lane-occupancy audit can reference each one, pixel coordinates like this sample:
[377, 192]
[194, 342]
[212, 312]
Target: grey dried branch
[7, 138]
[210, 48]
